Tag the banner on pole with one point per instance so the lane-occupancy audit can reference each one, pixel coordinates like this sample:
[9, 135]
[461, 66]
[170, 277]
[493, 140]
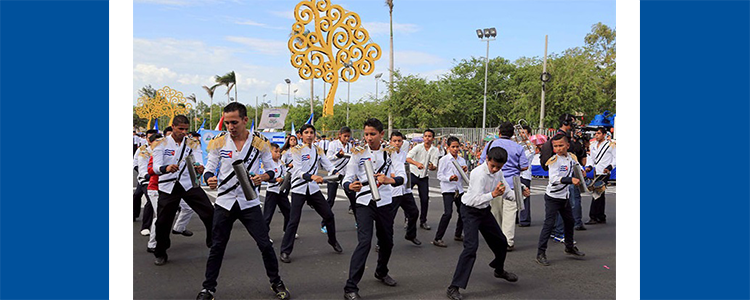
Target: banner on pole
[273, 118]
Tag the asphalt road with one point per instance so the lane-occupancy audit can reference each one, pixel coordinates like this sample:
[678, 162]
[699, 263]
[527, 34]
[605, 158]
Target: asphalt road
[422, 272]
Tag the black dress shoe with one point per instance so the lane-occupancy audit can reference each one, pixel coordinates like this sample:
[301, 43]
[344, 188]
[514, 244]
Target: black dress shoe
[458, 238]
[160, 261]
[424, 226]
[524, 225]
[337, 248]
[510, 248]
[602, 221]
[185, 232]
[439, 243]
[574, 251]
[507, 276]
[284, 258]
[542, 259]
[580, 228]
[352, 296]
[591, 222]
[150, 250]
[415, 241]
[205, 295]
[281, 292]
[453, 293]
[387, 280]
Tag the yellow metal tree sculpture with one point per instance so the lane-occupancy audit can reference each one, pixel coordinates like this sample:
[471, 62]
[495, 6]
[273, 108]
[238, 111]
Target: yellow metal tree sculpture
[168, 102]
[336, 46]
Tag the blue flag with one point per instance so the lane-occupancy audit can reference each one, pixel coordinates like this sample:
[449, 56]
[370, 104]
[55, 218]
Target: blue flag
[204, 122]
[310, 119]
[156, 124]
[293, 132]
[252, 127]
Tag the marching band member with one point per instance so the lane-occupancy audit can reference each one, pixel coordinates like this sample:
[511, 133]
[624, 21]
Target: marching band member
[335, 153]
[306, 159]
[231, 204]
[140, 165]
[602, 154]
[402, 195]
[418, 156]
[153, 194]
[274, 197]
[485, 183]
[368, 210]
[505, 211]
[452, 188]
[524, 216]
[556, 198]
[175, 184]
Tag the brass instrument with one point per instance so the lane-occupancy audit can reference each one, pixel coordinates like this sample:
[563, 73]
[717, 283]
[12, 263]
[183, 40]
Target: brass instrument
[247, 186]
[371, 180]
[522, 139]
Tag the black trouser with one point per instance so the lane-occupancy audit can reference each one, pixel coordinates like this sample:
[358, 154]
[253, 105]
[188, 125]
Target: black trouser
[321, 207]
[148, 214]
[138, 193]
[524, 216]
[596, 211]
[196, 198]
[449, 199]
[383, 219]
[553, 206]
[252, 218]
[423, 187]
[269, 207]
[333, 188]
[411, 212]
[475, 221]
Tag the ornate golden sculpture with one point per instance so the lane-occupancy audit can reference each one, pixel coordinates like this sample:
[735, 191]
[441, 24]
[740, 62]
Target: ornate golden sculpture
[168, 102]
[338, 47]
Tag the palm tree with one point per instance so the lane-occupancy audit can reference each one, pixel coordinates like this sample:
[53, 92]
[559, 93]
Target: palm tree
[229, 80]
[389, 3]
[210, 91]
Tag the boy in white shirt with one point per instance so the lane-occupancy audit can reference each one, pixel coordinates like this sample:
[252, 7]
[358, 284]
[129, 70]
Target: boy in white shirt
[556, 198]
[486, 183]
[452, 188]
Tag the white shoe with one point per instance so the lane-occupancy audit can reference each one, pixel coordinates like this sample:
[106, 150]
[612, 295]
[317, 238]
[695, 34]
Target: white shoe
[296, 236]
[270, 240]
[145, 232]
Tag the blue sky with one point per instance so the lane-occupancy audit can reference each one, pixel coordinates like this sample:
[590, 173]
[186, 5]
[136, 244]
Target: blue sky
[183, 43]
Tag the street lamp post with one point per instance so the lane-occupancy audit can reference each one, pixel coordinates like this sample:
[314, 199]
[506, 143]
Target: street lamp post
[377, 77]
[288, 92]
[488, 34]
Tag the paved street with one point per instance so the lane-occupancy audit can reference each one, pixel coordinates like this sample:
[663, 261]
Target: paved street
[422, 272]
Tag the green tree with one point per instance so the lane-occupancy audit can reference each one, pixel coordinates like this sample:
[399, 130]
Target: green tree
[229, 80]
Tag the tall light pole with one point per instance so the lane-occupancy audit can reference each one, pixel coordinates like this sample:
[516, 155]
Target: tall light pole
[488, 34]
[377, 77]
[288, 92]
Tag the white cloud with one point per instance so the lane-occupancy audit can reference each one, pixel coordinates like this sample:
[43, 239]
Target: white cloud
[253, 23]
[183, 2]
[148, 73]
[270, 47]
[382, 28]
[287, 14]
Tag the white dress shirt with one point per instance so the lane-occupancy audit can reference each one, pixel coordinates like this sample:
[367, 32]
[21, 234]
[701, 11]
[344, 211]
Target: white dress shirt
[382, 162]
[306, 160]
[399, 157]
[168, 152]
[481, 185]
[339, 162]
[419, 154]
[602, 155]
[446, 170]
[560, 167]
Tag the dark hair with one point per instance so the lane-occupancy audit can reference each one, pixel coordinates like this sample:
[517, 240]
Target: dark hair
[305, 127]
[527, 128]
[323, 136]
[287, 145]
[397, 133]
[566, 118]
[375, 123]
[238, 107]
[195, 134]
[345, 130]
[153, 137]
[558, 137]
[274, 145]
[180, 119]
[169, 128]
[506, 129]
[603, 130]
[152, 131]
[430, 131]
[498, 154]
[452, 139]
